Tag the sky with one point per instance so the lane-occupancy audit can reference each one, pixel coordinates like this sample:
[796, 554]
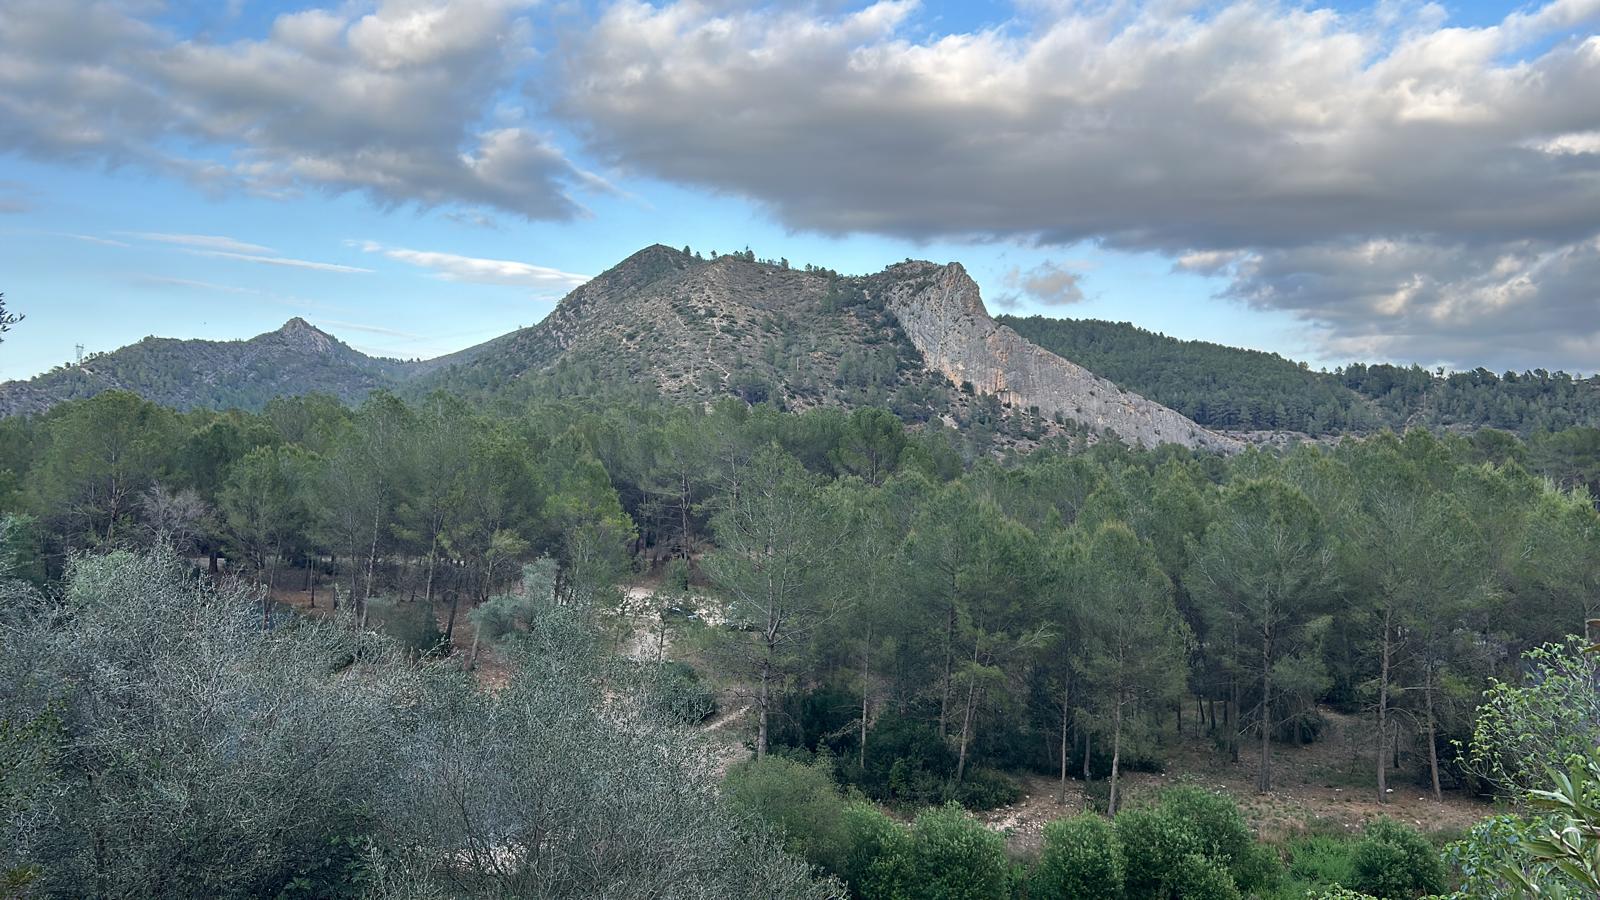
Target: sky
[1402, 181]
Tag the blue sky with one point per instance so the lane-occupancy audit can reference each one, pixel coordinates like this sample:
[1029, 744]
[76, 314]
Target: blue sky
[1401, 181]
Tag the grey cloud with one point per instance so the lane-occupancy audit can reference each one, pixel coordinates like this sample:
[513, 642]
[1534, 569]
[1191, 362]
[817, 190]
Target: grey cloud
[387, 104]
[1513, 305]
[1280, 135]
[1257, 125]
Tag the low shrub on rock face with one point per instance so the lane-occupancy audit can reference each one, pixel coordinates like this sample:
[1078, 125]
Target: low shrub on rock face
[1393, 862]
[1082, 860]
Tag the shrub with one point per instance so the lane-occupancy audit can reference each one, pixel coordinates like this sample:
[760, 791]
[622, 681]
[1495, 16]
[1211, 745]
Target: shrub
[1155, 847]
[907, 762]
[1224, 837]
[987, 789]
[1199, 878]
[800, 801]
[1082, 858]
[1393, 862]
[877, 856]
[953, 857]
[677, 695]
[1321, 860]
[412, 624]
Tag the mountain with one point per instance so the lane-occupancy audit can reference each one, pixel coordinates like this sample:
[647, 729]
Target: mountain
[915, 337]
[296, 359]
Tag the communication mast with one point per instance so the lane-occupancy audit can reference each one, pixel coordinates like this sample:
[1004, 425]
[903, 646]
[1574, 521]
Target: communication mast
[79, 348]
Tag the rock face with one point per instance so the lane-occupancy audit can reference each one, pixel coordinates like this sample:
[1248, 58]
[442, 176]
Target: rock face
[940, 309]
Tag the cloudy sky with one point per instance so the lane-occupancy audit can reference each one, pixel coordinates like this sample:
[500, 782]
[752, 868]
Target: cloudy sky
[1402, 181]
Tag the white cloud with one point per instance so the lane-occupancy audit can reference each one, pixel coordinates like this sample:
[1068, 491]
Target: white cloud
[281, 261]
[451, 267]
[204, 241]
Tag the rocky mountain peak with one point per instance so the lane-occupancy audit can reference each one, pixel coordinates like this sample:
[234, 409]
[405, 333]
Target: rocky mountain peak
[299, 332]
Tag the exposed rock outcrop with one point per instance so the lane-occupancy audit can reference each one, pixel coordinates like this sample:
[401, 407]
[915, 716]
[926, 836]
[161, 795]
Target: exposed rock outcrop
[940, 309]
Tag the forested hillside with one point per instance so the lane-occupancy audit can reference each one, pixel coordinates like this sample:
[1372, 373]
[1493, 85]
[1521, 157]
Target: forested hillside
[864, 607]
[296, 359]
[1247, 390]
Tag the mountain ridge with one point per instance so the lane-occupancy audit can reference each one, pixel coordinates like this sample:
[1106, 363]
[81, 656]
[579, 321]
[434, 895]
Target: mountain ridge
[914, 337]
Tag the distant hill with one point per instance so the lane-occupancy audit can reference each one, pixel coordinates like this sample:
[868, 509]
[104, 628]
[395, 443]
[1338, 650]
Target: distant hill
[1232, 389]
[1218, 386]
[296, 359]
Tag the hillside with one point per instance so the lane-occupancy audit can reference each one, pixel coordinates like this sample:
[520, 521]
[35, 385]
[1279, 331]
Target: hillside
[1233, 389]
[185, 374]
[1218, 386]
[915, 337]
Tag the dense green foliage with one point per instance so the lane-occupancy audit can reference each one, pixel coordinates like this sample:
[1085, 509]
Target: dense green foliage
[898, 617]
[1236, 389]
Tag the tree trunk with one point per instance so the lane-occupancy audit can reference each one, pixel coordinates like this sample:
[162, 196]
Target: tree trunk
[433, 561]
[1065, 714]
[1116, 759]
[1433, 749]
[763, 698]
[966, 732]
[450, 622]
[1264, 782]
[866, 681]
[1383, 710]
[1233, 719]
[949, 649]
[1088, 774]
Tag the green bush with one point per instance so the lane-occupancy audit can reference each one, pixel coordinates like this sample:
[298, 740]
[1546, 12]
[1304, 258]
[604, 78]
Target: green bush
[1321, 860]
[1155, 847]
[1193, 843]
[1082, 858]
[877, 857]
[986, 789]
[1199, 878]
[953, 857]
[1215, 821]
[800, 801]
[907, 763]
[1393, 862]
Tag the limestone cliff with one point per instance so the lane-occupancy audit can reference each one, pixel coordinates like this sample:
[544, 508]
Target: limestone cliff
[940, 310]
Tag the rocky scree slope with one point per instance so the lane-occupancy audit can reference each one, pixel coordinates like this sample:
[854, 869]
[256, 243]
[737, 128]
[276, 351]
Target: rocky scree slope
[942, 313]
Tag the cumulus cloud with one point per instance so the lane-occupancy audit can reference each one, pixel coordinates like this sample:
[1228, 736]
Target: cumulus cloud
[1048, 284]
[451, 267]
[1284, 134]
[389, 103]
